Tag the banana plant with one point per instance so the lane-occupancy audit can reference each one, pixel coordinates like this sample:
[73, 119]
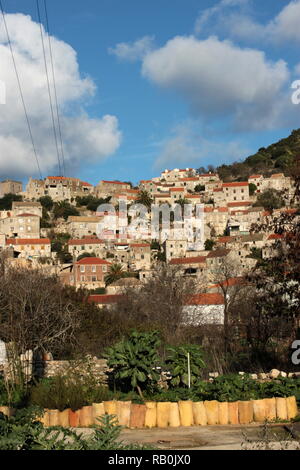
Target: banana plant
[134, 361]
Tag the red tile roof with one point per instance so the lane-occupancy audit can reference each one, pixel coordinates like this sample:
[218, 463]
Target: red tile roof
[113, 182]
[206, 299]
[226, 239]
[239, 204]
[140, 245]
[238, 183]
[277, 175]
[189, 260]
[86, 241]
[275, 236]
[92, 260]
[189, 179]
[233, 281]
[255, 176]
[27, 241]
[177, 189]
[27, 215]
[218, 253]
[105, 298]
[206, 175]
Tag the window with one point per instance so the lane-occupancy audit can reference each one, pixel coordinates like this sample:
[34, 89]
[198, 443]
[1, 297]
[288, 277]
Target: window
[104, 269]
[93, 269]
[94, 278]
[82, 269]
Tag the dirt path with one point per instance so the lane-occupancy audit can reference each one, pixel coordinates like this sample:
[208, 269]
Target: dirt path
[206, 437]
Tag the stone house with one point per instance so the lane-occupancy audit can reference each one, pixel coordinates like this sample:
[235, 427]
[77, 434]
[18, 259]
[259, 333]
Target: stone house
[30, 247]
[88, 273]
[177, 174]
[140, 256]
[82, 226]
[22, 225]
[21, 207]
[175, 249]
[109, 188]
[10, 187]
[204, 309]
[77, 247]
[192, 265]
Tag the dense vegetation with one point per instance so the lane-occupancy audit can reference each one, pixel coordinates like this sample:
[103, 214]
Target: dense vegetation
[276, 158]
[7, 200]
[24, 432]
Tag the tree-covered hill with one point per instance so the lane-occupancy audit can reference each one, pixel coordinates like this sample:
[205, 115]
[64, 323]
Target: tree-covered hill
[277, 158]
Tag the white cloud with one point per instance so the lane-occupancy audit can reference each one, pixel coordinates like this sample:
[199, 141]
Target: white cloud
[187, 146]
[133, 51]
[217, 10]
[240, 24]
[84, 138]
[297, 69]
[219, 79]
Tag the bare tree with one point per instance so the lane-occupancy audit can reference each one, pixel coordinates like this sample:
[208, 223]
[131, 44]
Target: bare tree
[160, 301]
[36, 311]
[226, 275]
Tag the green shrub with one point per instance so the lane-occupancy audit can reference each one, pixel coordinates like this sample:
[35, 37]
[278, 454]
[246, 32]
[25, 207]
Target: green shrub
[24, 432]
[134, 361]
[63, 392]
[177, 363]
[12, 394]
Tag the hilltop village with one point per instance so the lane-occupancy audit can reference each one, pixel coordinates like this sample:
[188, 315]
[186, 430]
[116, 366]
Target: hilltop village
[54, 223]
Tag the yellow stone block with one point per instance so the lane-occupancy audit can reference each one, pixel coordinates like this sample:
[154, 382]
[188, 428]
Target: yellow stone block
[223, 413]
[245, 412]
[270, 404]
[174, 415]
[259, 411]
[123, 413]
[233, 412]
[199, 412]
[163, 414]
[98, 411]
[186, 413]
[292, 409]
[151, 414]
[212, 411]
[281, 408]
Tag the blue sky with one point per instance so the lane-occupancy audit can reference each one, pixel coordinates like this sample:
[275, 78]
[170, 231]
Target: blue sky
[184, 83]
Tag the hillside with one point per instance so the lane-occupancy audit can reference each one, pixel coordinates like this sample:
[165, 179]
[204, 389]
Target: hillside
[276, 158]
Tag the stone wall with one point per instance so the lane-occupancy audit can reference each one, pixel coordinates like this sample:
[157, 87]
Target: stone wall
[50, 368]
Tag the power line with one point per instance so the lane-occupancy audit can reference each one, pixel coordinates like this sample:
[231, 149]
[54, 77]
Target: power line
[54, 86]
[48, 84]
[20, 90]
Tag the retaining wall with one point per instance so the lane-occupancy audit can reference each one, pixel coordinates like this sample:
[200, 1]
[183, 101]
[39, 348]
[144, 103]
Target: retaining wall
[174, 414]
